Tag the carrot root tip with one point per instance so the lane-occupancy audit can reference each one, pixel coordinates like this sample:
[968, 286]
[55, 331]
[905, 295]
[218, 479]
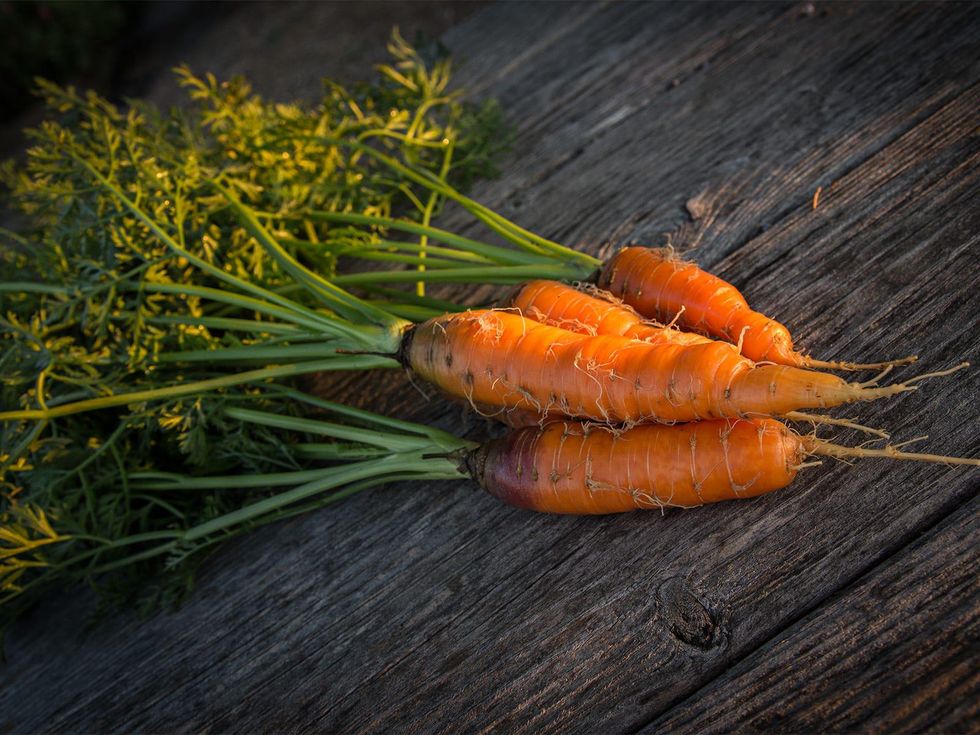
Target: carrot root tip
[892, 451]
[869, 391]
[820, 418]
[855, 366]
[938, 373]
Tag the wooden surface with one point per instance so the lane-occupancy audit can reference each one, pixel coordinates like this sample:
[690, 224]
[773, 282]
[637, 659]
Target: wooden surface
[846, 603]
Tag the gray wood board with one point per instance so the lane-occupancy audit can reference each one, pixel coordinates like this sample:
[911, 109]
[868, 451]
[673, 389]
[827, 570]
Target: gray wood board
[434, 608]
[894, 652]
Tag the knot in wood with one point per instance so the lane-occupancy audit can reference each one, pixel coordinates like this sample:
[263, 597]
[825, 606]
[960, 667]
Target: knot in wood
[687, 617]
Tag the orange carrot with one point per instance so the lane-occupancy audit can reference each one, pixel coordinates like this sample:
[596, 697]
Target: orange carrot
[660, 286]
[598, 312]
[569, 467]
[594, 312]
[501, 359]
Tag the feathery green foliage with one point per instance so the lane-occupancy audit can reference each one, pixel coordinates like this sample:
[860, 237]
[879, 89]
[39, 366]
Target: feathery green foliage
[139, 279]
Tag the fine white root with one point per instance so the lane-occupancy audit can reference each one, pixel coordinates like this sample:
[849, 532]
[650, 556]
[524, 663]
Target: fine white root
[822, 418]
[819, 446]
[843, 365]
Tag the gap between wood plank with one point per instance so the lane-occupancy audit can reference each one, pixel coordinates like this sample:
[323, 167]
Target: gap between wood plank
[550, 40]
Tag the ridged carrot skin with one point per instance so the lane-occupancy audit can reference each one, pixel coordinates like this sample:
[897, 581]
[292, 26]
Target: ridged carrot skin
[498, 358]
[586, 312]
[659, 285]
[566, 307]
[592, 311]
[569, 467]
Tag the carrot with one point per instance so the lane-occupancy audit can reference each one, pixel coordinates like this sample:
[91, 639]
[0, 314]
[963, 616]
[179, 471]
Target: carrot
[564, 467]
[598, 312]
[570, 467]
[501, 359]
[660, 286]
[593, 311]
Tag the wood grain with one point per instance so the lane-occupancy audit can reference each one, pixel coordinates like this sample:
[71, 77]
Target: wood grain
[432, 608]
[894, 652]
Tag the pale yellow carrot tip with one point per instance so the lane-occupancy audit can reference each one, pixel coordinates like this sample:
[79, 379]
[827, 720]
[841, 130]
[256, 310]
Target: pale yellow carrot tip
[819, 446]
[822, 418]
[840, 365]
[871, 392]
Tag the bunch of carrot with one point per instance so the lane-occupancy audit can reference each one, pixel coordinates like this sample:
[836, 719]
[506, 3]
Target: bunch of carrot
[611, 411]
[615, 410]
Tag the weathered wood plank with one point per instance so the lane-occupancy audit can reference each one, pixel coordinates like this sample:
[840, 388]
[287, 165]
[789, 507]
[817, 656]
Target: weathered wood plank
[895, 652]
[435, 608]
[708, 127]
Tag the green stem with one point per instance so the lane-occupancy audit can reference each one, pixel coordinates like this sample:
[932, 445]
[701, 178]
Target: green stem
[309, 319]
[420, 259]
[27, 287]
[136, 558]
[345, 492]
[351, 479]
[231, 482]
[440, 305]
[497, 222]
[252, 353]
[109, 442]
[348, 362]
[336, 298]
[22, 446]
[335, 451]
[358, 249]
[106, 545]
[355, 488]
[497, 254]
[430, 208]
[338, 477]
[399, 136]
[444, 439]
[345, 432]
[211, 322]
[504, 274]
[412, 312]
[514, 233]
[435, 250]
